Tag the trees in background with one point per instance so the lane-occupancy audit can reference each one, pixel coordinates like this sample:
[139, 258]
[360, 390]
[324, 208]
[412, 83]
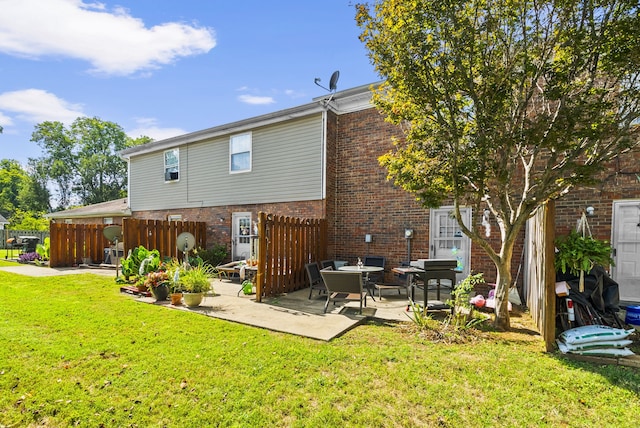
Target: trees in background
[11, 178]
[504, 105]
[80, 163]
[24, 198]
[82, 160]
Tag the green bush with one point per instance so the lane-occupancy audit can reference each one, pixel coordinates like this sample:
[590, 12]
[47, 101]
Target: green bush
[214, 256]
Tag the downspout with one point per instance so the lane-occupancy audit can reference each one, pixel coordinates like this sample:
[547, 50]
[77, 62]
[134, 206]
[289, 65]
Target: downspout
[324, 162]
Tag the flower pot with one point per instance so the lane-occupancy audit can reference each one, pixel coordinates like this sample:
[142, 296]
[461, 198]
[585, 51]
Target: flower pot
[160, 292]
[192, 300]
[176, 299]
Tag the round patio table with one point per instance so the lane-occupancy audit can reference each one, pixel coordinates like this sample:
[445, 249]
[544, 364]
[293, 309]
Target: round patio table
[366, 270]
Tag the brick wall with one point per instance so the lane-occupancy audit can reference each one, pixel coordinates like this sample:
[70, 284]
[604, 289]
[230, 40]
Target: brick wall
[619, 180]
[365, 202]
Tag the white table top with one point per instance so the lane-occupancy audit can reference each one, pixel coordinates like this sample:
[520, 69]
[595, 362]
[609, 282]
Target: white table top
[361, 268]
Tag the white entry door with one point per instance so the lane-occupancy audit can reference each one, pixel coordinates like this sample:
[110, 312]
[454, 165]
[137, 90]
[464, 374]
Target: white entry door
[446, 240]
[625, 240]
[241, 240]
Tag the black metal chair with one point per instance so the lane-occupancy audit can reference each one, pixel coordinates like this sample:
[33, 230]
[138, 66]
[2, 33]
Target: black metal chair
[328, 264]
[377, 261]
[315, 279]
[344, 286]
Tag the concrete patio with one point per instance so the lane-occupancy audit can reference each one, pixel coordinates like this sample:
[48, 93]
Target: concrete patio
[292, 313]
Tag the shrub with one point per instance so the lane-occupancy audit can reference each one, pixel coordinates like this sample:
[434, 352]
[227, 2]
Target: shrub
[214, 256]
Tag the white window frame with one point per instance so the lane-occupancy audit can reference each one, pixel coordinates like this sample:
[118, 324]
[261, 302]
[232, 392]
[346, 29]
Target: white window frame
[107, 220]
[243, 140]
[170, 168]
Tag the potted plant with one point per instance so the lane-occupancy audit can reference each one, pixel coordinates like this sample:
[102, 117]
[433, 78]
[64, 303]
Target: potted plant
[140, 261]
[173, 267]
[158, 284]
[579, 254]
[194, 282]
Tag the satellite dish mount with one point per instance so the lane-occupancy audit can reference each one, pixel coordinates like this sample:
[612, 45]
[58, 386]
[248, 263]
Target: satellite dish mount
[333, 83]
[185, 243]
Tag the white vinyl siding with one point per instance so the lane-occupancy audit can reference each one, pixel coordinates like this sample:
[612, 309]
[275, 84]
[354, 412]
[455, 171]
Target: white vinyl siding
[286, 166]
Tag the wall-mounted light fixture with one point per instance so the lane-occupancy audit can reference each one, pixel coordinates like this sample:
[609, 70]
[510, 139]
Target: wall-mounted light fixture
[221, 219]
[367, 238]
[590, 211]
[408, 233]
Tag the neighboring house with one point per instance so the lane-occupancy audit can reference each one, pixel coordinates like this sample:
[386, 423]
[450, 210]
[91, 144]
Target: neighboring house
[3, 222]
[320, 160]
[110, 212]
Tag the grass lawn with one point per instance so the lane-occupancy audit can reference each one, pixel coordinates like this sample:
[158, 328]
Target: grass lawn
[5, 254]
[74, 351]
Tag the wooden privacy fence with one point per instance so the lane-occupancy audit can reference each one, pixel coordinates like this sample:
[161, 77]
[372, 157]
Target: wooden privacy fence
[161, 234]
[541, 278]
[71, 243]
[285, 245]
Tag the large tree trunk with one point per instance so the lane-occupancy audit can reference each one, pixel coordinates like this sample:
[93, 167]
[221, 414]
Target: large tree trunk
[503, 283]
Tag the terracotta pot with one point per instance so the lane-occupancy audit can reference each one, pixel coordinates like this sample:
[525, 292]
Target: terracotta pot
[192, 300]
[176, 299]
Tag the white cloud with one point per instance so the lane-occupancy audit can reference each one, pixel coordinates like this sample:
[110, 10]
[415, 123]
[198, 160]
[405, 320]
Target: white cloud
[149, 127]
[5, 120]
[113, 42]
[256, 100]
[37, 105]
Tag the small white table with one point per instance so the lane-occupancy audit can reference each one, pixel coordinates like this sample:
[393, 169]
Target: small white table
[366, 270]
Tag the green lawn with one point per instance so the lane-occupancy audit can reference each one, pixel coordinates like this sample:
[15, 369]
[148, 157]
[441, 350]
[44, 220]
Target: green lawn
[74, 351]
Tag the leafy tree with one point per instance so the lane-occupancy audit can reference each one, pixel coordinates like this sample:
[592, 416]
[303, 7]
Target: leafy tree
[83, 159]
[59, 154]
[505, 105]
[101, 174]
[28, 220]
[12, 177]
[34, 194]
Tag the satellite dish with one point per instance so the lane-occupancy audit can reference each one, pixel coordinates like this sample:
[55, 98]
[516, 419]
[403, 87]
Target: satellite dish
[333, 82]
[112, 233]
[185, 242]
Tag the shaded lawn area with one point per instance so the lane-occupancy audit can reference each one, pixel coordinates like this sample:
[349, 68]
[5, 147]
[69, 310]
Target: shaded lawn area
[74, 351]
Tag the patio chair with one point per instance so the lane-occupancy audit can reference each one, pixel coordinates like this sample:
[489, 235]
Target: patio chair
[315, 280]
[228, 270]
[343, 286]
[378, 261]
[328, 264]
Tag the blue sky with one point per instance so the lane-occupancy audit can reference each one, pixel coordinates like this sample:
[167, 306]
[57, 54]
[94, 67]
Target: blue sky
[163, 67]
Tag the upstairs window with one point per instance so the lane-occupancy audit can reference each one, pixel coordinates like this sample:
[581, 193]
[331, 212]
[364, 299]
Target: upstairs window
[240, 153]
[171, 165]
